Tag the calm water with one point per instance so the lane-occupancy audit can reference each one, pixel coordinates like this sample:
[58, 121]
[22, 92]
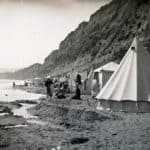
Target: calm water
[7, 93]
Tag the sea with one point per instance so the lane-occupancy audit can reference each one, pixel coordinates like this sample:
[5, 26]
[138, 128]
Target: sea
[9, 94]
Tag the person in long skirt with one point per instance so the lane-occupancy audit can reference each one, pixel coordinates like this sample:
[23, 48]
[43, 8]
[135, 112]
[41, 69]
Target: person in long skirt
[78, 87]
[49, 87]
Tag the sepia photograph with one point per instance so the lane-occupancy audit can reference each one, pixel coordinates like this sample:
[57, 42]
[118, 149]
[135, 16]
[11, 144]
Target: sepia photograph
[75, 75]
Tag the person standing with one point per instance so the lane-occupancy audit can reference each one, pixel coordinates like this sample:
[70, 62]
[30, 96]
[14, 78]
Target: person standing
[14, 84]
[78, 87]
[49, 87]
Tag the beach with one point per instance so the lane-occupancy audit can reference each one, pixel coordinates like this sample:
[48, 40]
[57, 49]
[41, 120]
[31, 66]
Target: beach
[75, 48]
[66, 124]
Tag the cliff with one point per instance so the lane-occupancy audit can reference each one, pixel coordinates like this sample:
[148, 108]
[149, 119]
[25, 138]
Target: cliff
[105, 37]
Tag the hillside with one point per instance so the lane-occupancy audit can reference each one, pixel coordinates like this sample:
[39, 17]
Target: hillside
[26, 73]
[105, 37]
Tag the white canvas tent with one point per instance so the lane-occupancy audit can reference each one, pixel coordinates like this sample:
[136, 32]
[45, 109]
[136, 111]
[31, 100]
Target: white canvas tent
[101, 75]
[105, 72]
[129, 87]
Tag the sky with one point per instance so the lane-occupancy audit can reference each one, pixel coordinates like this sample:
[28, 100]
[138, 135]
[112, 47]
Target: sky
[31, 29]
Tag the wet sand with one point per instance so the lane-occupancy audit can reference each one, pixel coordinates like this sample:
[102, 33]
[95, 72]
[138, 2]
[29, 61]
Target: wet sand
[73, 125]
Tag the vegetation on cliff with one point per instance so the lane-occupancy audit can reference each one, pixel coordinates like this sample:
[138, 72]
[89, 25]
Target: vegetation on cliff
[105, 37]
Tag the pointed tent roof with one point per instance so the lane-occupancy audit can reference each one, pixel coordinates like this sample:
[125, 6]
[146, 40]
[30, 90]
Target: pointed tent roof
[111, 66]
[131, 81]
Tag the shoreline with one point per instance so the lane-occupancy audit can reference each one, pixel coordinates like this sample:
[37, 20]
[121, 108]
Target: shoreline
[73, 125]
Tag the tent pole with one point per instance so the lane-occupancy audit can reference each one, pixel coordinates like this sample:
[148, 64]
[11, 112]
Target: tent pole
[137, 108]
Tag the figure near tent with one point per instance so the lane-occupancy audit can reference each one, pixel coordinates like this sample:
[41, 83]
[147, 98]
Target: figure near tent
[14, 84]
[78, 87]
[49, 87]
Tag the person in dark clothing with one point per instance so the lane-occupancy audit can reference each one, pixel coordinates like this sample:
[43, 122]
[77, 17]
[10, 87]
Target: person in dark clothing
[49, 87]
[78, 87]
[14, 84]
[78, 93]
[78, 79]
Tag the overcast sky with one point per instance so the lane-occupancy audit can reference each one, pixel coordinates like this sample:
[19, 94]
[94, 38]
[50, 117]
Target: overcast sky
[31, 29]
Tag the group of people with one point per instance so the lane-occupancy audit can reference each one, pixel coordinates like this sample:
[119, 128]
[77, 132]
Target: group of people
[60, 88]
